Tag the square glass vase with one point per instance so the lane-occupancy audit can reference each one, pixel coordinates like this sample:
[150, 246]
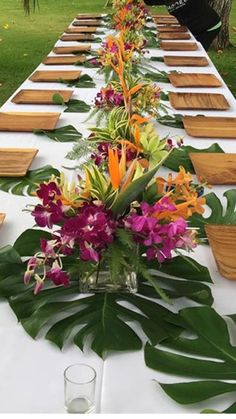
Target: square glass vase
[100, 282]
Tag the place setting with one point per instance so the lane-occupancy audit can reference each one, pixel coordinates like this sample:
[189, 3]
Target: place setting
[28, 121]
[64, 59]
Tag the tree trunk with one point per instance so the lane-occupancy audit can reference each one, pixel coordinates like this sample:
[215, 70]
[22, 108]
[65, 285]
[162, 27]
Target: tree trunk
[223, 8]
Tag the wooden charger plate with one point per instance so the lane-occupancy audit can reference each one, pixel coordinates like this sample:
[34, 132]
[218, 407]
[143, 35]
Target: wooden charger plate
[167, 28]
[64, 60]
[40, 97]
[182, 61]
[50, 76]
[89, 16]
[87, 22]
[194, 80]
[71, 49]
[210, 126]
[82, 29]
[215, 168]
[15, 162]
[28, 121]
[207, 101]
[77, 37]
[2, 217]
[174, 35]
[178, 46]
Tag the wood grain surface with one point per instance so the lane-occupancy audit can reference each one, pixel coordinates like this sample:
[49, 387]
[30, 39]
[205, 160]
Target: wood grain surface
[178, 46]
[71, 49]
[222, 239]
[84, 22]
[28, 121]
[82, 29]
[49, 76]
[194, 80]
[174, 35]
[207, 101]
[15, 162]
[77, 37]
[64, 60]
[184, 61]
[215, 168]
[210, 126]
[40, 97]
[171, 28]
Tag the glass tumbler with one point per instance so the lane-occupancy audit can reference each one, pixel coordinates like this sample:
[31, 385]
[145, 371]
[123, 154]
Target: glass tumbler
[79, 382]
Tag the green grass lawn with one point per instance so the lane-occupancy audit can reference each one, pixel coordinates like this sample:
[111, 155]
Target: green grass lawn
[24, 41]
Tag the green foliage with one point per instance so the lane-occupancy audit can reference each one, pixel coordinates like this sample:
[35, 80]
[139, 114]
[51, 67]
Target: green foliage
[84, 81]
[28, 184]
[173, 121]
[218, 214]
[79, 106]
[102, 318]
[180, 156]
[157, 76]
[64, 134]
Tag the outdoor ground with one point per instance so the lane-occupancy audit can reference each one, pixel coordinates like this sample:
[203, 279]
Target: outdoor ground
[24, 40]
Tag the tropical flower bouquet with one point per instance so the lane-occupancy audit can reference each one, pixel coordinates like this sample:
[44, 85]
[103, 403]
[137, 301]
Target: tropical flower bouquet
[111, 223]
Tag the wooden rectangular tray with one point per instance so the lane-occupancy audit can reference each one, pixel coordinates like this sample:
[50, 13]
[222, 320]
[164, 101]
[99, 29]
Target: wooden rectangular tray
[84, 22]
[28, 121]
[171, 28]
[178, 46]
[50, 76]
[2, 217]
[15, 162]
[82, 29]
[40, 97]
[71, 49]
[194, 80]
[64, 60]
[174, 35]
[210, 126]
[77, 37]
[89, 16]
[215, 168]
[207, 101]
[165, 21]
[182, 61]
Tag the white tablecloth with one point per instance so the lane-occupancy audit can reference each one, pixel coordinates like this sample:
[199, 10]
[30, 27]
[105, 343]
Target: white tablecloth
[31, 372]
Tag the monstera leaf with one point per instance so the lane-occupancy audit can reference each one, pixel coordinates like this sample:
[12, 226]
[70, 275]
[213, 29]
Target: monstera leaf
[218, 214]
[206, 353]
[180, 156]
[100, 319]
[28, 184]
[64, 134]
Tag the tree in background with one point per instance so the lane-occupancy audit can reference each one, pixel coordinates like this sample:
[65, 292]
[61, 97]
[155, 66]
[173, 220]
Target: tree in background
[28, 4]
[223, 8]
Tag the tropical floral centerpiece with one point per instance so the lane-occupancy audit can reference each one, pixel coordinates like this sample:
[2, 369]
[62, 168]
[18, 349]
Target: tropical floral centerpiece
[129, 15]
[109, 222]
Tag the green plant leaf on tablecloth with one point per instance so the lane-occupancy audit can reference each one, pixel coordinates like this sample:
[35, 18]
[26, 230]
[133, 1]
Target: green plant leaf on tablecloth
[231, 409]
[64, 134]
[102, 317]
[218, 214]
[84, 81]
[158, 76]
[180, 156]
[73, 105]
[209, 340]
[88, 64]
[157, 59]
[28, 184]
[173, 121]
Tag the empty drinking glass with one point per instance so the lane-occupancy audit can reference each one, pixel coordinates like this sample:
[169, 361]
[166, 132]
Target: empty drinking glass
[80, 381]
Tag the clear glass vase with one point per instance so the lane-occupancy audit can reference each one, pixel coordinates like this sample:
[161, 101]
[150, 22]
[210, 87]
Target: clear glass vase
[101, 281]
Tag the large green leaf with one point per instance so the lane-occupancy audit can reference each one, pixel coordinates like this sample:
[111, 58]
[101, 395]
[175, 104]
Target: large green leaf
[73, 105]
[214, 358]
[180, 156]
[28, 184]
[64, 134]
[197, 391]
[231, 409]
[173, 121]
[158, 76]
[102, 318]
[84, 81]
[218, 214]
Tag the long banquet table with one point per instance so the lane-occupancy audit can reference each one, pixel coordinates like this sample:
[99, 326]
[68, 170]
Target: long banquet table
[31, 372]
